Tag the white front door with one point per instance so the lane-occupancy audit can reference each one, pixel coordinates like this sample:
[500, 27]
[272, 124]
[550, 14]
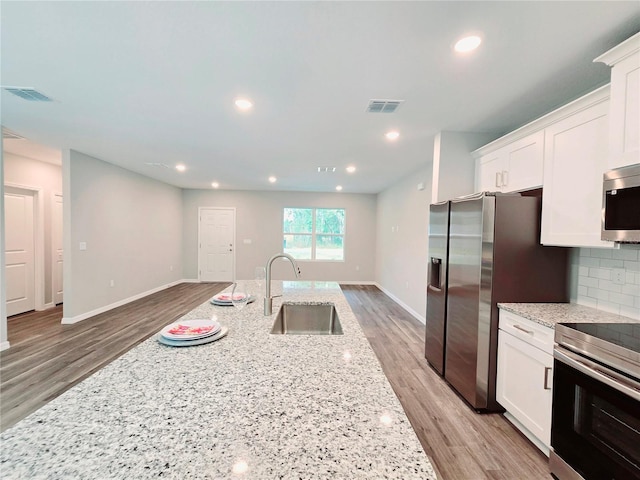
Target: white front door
[217, 244]
[19, 252]
[56, 239]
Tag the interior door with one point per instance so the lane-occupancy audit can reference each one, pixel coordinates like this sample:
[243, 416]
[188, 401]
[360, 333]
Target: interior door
[19, 252]
[56, 238]
[217, 244]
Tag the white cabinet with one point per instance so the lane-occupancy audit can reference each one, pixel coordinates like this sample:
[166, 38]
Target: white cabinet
[575, 157]
[624, 133]
[525, 376]
[514, 167]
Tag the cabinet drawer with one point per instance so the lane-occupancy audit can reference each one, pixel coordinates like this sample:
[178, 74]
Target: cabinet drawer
[527, 330]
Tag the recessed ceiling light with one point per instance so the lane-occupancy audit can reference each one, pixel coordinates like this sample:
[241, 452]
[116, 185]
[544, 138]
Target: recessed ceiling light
[215, 184]
[393, 135]
[467, 44]
[339, 188]
[272, 179]
[243, 103]
[180, 167]
[351, 169]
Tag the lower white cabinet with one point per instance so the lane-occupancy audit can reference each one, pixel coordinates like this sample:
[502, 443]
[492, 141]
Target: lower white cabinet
[525, 376]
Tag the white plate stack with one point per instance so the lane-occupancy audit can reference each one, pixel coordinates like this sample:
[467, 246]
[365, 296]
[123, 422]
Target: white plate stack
[223, 299]
[185, 333]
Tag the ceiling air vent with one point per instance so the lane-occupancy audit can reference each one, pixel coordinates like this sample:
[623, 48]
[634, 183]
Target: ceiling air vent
[383, 106]
[9, 135]
[27, 93]
[326, 169]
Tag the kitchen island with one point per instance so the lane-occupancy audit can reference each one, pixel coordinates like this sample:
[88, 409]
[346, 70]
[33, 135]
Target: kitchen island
[250, 405]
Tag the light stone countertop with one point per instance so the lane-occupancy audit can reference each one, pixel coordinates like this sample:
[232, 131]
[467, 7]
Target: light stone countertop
[249, 406]
[548, 314]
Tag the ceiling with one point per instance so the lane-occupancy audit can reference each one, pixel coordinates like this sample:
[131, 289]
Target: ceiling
[135, 83]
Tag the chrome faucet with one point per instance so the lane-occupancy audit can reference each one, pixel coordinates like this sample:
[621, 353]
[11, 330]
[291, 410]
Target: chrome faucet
[268, 299]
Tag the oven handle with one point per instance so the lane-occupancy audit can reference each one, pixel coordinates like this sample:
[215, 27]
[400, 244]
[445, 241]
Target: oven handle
[599, 372]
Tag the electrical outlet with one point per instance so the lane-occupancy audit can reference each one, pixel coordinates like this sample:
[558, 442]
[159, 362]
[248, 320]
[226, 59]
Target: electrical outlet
[618, 276]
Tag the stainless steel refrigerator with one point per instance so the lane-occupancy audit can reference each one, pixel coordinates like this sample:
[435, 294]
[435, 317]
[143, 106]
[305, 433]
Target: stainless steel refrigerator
[483, 249]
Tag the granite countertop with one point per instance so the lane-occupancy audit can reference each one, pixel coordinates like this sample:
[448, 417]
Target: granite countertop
[548, 314]
[249, 406]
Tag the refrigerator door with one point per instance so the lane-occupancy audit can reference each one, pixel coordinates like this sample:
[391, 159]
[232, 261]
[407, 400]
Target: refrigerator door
[437, 285]
[468, 338]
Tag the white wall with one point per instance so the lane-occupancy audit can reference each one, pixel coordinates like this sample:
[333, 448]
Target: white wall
[453, 167]
[47, 177]
[4, 342]
[401, 254]
[132, 227]
[592, 284]
[259, 219]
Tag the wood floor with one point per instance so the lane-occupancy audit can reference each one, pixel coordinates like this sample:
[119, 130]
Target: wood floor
[46, 359]
[462, 444]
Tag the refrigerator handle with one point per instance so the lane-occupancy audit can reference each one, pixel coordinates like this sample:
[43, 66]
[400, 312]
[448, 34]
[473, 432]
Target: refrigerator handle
[435, 274]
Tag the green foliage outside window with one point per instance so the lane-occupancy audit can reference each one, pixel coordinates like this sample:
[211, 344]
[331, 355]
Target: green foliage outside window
[314, 233]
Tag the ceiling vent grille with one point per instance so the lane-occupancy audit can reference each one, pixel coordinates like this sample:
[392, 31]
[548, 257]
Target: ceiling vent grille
[383, 106]
[9, 135]
[27, 93]
[326, 169]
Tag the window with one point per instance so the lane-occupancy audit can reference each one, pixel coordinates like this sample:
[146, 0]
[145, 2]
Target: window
[314, 233]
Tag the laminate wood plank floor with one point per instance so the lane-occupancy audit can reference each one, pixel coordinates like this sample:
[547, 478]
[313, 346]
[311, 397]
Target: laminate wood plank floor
[47, 358]
[462, 444]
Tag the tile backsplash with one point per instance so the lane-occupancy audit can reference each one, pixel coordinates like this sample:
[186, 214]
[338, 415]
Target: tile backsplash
[607, 279]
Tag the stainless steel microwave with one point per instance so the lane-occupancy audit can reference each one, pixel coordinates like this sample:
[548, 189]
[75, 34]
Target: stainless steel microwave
[621, 205]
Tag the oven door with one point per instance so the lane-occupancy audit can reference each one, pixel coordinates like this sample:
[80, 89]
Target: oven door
[595, 422]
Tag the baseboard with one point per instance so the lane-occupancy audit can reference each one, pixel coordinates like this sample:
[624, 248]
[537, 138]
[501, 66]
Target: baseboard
[4, 345]
[356, 282]
[46, 306]
[189, 280]
[410, 310]
[106, 308]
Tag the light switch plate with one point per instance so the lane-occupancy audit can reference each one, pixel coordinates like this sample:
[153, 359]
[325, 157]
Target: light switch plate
[83, 245]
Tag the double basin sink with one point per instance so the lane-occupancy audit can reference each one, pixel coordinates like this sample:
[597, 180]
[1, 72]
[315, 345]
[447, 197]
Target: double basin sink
[307, 319]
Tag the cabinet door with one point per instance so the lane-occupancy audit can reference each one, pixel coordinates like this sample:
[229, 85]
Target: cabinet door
[523, 385]
[524, 163]
[490, 171]
[625, 112]
[575, 157]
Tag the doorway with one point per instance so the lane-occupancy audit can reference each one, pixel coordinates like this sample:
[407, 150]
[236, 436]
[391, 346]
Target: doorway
[216, 244]
[57, 249]
[23, 249]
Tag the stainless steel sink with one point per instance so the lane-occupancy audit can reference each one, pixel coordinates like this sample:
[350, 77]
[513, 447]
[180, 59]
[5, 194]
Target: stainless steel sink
[301, 319]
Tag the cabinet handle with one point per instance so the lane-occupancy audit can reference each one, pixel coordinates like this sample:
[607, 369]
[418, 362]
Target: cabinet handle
[498, 179]
[546, 378]
[530, 332]
[505, 178]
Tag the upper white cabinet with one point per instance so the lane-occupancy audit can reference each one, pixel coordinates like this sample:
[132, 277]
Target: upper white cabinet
[575, 156]
[624, 113]
[514, 167]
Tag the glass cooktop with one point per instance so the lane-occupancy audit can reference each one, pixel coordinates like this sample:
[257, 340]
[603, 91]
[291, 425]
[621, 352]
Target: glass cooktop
[625, 335]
